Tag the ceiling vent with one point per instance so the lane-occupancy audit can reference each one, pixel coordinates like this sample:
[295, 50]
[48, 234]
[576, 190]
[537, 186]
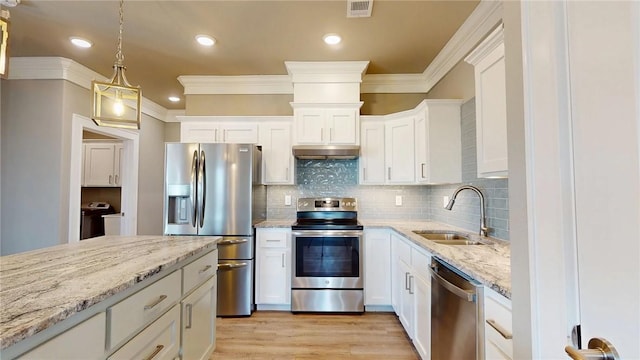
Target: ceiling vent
[359, 8]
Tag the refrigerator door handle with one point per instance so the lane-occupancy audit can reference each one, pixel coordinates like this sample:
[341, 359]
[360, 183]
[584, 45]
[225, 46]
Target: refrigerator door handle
[202, 188]
[194, 192]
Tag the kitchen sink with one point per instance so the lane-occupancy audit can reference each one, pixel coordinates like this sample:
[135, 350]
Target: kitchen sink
[447, 237]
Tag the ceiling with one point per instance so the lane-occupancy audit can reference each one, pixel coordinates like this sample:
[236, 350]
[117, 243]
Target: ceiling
[253, 37]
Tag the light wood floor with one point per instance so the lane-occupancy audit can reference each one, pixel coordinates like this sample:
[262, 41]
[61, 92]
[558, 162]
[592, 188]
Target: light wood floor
[283, 335]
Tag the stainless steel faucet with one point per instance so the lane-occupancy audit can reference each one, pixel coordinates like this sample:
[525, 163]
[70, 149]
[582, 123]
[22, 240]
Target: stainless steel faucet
[483, 226]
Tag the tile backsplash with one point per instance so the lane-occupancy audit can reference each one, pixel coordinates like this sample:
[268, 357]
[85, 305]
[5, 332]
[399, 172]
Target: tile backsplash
[317, 178]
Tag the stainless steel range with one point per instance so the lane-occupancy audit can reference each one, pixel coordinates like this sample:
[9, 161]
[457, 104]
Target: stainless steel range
[327, 256]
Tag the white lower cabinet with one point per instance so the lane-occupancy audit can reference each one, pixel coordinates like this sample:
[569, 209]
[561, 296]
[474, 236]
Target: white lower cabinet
[273, 258]
[160, 340]
[87, 339]
[411, 295]
[377, 268]
[199, 321]
[498, 331]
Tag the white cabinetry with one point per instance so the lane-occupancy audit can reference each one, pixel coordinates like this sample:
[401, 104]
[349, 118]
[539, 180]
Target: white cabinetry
[277, 160]
[498, 331]
[87, 338]
[101, 165]
[199, 321]
[438, 142]
[273, 257]
[377, 268]
[372, 151]
[326, 125]
[399, 150]
[412, 292]
[491, 108]
[202, 129]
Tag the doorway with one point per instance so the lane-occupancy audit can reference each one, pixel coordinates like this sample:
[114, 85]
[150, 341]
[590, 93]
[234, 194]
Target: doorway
[129, 183]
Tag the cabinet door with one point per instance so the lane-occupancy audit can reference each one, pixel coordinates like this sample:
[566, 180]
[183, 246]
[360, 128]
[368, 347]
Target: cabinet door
[83, 342]
[199, 321]
[243, 133]
[377, 267]
[422, 147]
[98, 164]
[491, 114]
[406, 297]
[342, 125]
[399, 148]
[422, 297]
[273, 276]
[117, 164]
[310, 126]
[198, 132]
[277, 160]
[372, 153]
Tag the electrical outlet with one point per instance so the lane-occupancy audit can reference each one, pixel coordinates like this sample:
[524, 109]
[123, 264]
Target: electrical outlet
[287, 200]
[398, 200]
[445, 201]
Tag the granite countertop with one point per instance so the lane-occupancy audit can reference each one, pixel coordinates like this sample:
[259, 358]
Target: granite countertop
[43, 287]
[489, 264]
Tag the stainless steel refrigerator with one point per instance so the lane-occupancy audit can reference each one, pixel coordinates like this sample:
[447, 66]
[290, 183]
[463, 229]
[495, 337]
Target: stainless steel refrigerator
[215, 189]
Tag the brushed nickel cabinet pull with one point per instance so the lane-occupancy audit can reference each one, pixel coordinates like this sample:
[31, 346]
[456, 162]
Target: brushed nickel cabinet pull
[411, 284]
[204, 269]
[156, 302]
[364, 174]
[189, 308]
[505, 334]
[155, 352]
[388, 173]
[110, 178]
[406, 281]
[422, 169]
[282, 260]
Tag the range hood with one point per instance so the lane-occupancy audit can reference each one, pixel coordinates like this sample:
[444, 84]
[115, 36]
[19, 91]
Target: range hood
[325, 152]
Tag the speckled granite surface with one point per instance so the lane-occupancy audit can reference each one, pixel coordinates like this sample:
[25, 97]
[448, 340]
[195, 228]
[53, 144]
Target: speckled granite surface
[43, 287]
[489, 264]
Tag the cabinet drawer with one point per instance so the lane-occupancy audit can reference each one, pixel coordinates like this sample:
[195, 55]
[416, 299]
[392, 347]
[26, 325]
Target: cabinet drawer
[199, 271]
[273, 239]
[160, 340]
[139, 309]
[498, 327]
[420, 263]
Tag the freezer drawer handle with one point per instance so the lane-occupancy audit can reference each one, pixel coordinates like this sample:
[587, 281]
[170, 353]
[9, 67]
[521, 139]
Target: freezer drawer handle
[505, 334]
[155, 352]
[461, 293]
[232, 242]
[232, 266]
[153, 304]
[204, 269]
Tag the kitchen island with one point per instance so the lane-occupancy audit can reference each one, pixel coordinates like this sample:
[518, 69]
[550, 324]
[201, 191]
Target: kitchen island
[48, 291]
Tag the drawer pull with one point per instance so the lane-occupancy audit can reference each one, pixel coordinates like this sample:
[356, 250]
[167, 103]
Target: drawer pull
[273, 240]
[153, 304]
[204, 269]
[189, 314]
[155, 352]
[505, 334]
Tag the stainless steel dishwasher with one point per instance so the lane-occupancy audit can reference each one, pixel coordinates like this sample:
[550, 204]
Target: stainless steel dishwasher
[456, 313]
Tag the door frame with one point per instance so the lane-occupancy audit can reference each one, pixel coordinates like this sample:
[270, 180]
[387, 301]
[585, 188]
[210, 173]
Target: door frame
[129, 163]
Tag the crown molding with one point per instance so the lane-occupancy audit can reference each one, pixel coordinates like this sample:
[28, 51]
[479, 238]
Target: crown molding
[495, 39]
[393, 83]
[326, 71]
[482, 20]
[59, 68]
[242, 84]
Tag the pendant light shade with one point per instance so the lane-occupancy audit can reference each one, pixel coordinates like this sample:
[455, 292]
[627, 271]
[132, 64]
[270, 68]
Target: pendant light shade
[116, 103]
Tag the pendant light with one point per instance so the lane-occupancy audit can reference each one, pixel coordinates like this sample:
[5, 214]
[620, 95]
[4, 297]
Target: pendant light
[116, 103]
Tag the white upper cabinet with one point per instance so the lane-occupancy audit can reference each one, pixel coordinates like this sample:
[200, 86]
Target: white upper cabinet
[438, 142]
[277, 160]
[491, 105]
[209, 129]
[399, 150]
[372, 151]
[101, 165]
[327, 126]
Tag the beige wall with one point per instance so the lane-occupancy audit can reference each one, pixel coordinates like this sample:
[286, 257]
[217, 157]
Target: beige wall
[172, 132]
[457, 84]
[383, 104]
[239, 104]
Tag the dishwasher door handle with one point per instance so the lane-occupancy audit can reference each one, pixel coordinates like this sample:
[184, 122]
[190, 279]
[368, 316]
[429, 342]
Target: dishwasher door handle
[461, 293]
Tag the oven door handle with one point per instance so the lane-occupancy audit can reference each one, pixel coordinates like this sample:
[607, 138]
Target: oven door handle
[325, 233]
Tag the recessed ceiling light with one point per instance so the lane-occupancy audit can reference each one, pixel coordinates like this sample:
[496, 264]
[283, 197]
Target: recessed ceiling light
[205, 40]
[174, 98]
[80, 42]
[332, 39]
